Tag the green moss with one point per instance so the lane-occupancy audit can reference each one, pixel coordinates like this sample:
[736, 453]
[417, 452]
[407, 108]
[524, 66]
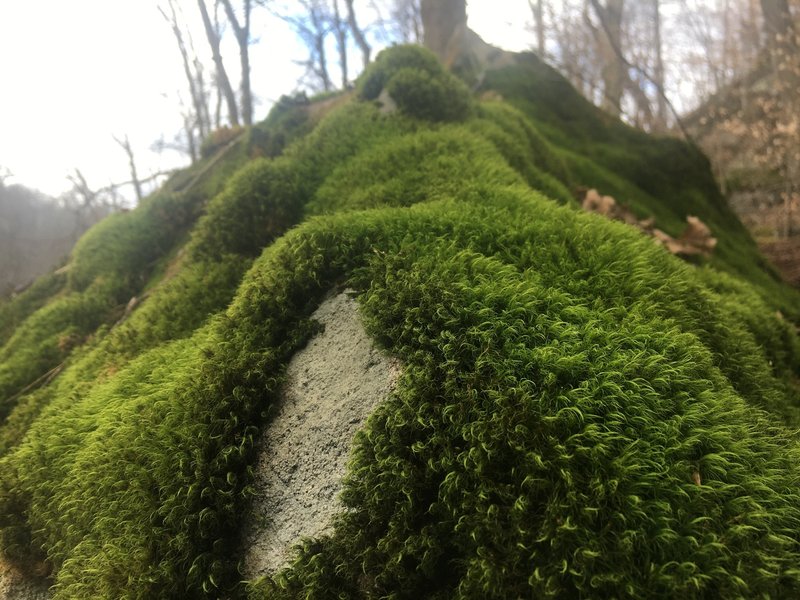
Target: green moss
[581, 414]
[287, 121]
[418, 84]
[111, 264]
[524, 149]
[444, 162]
[655, 176]
[425, 96]
[261, 202]
[377, 75]
[15, 310]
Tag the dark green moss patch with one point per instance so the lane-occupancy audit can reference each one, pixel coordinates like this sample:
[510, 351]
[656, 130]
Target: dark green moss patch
[418, 84]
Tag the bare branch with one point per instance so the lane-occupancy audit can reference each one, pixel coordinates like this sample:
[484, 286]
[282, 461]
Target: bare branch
[628, 64]
[126, 146]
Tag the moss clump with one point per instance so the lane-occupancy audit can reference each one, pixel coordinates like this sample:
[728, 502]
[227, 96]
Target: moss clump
[418, 84]
[582, 414]
[287, 121]
[15, 310]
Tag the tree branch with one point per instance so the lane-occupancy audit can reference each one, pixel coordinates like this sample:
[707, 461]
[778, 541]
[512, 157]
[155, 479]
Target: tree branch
[618, 51]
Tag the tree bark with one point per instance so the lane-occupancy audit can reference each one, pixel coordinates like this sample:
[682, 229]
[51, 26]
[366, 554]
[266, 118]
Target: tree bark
[340, 30]
[537, 9]
[358, 35]
[441, 19]
[613, 73]
[137, 185]
[318, 29]
[777, 20]
[223, 82]
[661, 110]
[783, 53]
[194, 79]
[242, 33]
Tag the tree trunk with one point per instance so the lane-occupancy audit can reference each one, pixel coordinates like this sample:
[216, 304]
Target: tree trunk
[318, 28]
[223, 82]
[783, 53]
[194, 79]
[358, 35]
[191, 143]
[137, 186]
[613, 71]
[242, 33]
[341, 41]
[661, 106]
[777, 20]
[537, 9]
[441, 19]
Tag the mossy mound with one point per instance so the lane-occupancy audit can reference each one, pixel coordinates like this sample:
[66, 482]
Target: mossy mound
[660, 177]
[581, 414]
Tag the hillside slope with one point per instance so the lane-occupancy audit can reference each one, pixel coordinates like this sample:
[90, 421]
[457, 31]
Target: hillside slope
[580, 413]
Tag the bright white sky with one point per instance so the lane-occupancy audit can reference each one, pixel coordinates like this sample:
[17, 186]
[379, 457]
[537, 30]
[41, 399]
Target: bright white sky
[77, 72]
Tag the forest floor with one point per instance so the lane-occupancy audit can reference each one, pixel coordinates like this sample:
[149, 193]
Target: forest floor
[779, 243]
[784, 253]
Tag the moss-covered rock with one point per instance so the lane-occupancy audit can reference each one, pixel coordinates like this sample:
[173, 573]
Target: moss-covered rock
[581, 413]
[418, 84]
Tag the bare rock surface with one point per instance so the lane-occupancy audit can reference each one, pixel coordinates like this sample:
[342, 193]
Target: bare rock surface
[15, 586]
[332, 386]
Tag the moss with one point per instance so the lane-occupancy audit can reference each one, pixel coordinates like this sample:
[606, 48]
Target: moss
[389, 62]
[438, 163]
[419, 94]
[662, 177]
[286, 122]
[261, 202]
[218, 139]
[110, 264]
[418, 84]
[581, 414]
[524, 149]
[15, 310]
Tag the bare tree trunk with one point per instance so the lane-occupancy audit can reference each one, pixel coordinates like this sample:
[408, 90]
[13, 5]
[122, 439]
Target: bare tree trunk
[783, 52]
[191, 142]
[242, 32]
[610, 16]
[137, 185]
[777, 20]
[537, 9]
[358, 35]
[751, 36]
[194, 79]
[204, 119]
[644, 113]
[441, 19]
[218, 110]
[341, 41]
[661, 111]
[87, 198]
[223, 82]
[317, 21]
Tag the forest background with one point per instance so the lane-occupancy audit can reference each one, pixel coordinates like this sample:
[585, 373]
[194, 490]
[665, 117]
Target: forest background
[723, 73]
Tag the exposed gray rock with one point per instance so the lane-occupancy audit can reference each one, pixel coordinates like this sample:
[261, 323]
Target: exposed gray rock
[332, 387]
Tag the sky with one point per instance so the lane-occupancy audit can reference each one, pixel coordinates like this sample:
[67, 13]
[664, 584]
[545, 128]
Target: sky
[76, 73]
